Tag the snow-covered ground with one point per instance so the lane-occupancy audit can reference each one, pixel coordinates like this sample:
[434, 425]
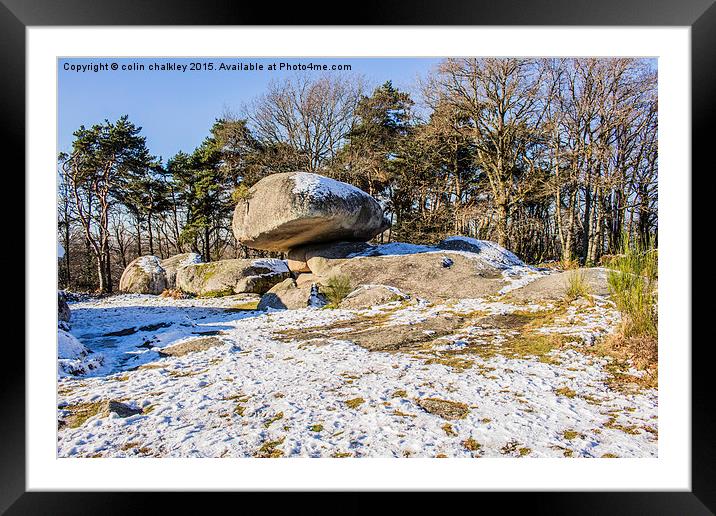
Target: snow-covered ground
[267, 391]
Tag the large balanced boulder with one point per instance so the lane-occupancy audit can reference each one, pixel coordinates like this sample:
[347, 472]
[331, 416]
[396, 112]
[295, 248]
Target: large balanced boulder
[144, 275]
[173, 263]
[226, 277]
[283, 211]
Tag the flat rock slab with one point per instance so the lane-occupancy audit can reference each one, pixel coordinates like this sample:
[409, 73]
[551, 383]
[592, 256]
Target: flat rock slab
[283, 211]
[555, 286]
[191, 346]
[425, 275]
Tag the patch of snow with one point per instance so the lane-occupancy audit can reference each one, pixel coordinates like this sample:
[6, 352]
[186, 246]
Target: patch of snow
[316, 299]
[73, 358]
[150, 264]
[191, 259]
[314, 185]
[493, 253]
[275, 265]
[194, 398]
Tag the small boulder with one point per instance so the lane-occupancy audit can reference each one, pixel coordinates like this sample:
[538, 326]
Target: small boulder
[116, 407]
[288, 295]
[286, 210]
[367, 296]
[144, 275]
[177, 261]
[226, 277]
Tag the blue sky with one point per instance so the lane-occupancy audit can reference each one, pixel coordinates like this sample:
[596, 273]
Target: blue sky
[176, 109]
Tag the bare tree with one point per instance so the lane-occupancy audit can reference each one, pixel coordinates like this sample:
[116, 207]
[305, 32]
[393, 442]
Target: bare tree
[313, 116]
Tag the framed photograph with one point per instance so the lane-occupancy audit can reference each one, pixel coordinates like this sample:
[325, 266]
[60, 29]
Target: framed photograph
[435, 249]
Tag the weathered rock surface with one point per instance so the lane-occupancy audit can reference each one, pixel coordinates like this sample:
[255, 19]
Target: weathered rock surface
[283, 211]
[426, 275]
[554, 286]
[298, 257]
[171, 264]
[190, 346]
[226, 277]
[288, 295]
[367, 296]
[144, 275]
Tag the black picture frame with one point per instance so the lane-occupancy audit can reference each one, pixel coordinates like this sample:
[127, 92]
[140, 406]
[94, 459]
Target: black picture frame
[700, 15]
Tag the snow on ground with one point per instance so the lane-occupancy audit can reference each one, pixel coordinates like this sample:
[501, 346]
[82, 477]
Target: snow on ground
[263, 394]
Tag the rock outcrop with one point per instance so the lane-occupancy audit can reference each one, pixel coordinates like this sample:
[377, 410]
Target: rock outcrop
[173, 263]
[226, 277]
[283, 211]
[555, 286]
[144, 275]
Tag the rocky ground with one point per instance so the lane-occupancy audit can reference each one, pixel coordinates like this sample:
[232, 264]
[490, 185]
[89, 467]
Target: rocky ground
[499, 376]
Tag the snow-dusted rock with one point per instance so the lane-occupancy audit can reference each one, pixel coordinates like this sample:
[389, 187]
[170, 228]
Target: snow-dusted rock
[226, 277]
[144, 275]
[488, 251]
[286, 210]
[416, 270]
[178, 261]
[73, 358]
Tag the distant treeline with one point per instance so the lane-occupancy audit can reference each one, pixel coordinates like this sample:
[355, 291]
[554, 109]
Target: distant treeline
[555, 159]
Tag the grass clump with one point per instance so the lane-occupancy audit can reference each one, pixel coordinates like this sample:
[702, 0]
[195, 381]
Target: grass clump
[273, 419]
[471, 444]
[449, 430]
[355, 402]
[337, 287]
[566, 392]
[269, 449]
[576, 285]
[633, 284]
[316, 428]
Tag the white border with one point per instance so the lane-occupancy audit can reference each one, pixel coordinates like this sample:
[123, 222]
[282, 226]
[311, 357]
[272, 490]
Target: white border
[670, 471]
